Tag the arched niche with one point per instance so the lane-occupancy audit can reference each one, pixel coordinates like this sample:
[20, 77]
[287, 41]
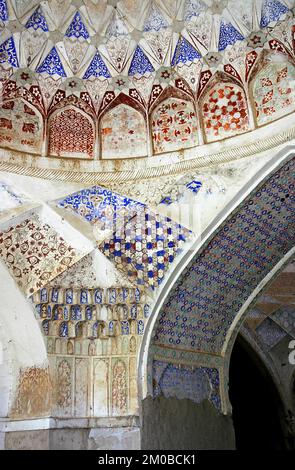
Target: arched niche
[201, 307]
[71, 133]
[123, 130]
[202, 303]
[224, 109]
[173, 122]
[272, 88]
[25, 390]
[21, 126]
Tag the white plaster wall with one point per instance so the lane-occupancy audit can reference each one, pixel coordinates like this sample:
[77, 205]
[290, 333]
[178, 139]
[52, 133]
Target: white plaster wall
[21, 340]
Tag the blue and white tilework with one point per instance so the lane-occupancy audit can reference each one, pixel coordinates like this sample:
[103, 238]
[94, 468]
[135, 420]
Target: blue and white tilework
[184, 52]
[193, 8]
[77, 28]
[37, 21]
[196, 384]
[101, 206]
[155, 20]
[145, 247]
[52, 64]
[3, 10]
[97, 68]
[228, 35]
[8, 53]
[140, 64]
[212, 289]
[194, 186]
[272, 10]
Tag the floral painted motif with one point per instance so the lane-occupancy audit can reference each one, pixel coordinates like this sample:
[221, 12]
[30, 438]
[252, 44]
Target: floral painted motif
[274, 92]
[20, 126]
[35, 253]
[123, 133]
[174, 125]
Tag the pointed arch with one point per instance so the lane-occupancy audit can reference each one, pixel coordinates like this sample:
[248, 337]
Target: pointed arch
[123, 129]
[173, 121]
[272, 87]
[211, 289]
[71, 133]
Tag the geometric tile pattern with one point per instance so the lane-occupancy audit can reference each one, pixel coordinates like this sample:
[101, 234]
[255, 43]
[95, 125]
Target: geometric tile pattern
[71, 134]
[270, 333]
[35, 253]
[145, 246]
[225, 112]
[110, 21]
[210, 292]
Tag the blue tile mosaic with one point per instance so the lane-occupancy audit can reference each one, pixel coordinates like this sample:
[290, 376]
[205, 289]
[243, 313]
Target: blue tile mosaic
[76, 312]
[181, 382]
[167, 201]
[140, 64]
[193, 8]
[228, 35]
[102, 206]
[184, 52]
[69, 296]
[145, 246]
[98, 296]
[88, 312]
[77, 28]
[8, 53]
[97, 68]
[64, 330]
[125, 328]
[84, 296]
[271, 11]
[212, 289]
[155, 20]
[52, 64]
[140, 327]
[54, 295]
[3, 10]
[37, 21]
[194, 186]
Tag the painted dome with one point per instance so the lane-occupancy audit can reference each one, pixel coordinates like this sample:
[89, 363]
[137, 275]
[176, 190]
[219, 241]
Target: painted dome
[85, 84]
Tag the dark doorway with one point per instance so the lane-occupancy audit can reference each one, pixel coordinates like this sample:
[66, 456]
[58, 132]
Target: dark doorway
[256, 405]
